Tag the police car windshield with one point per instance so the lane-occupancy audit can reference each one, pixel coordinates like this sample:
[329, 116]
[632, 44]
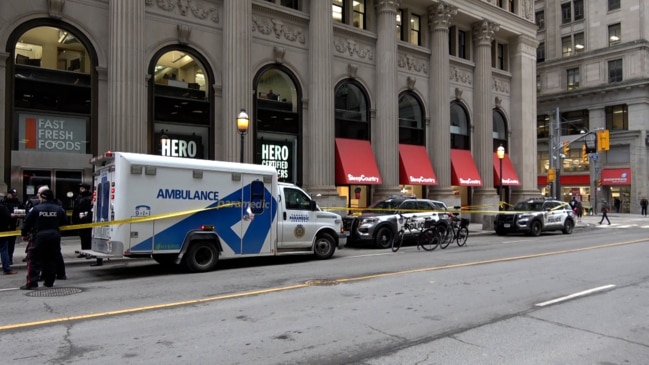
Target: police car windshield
[530, 206]
[389, 206]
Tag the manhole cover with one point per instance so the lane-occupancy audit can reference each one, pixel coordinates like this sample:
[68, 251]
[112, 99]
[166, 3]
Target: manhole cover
[321, 282]
[54, 292]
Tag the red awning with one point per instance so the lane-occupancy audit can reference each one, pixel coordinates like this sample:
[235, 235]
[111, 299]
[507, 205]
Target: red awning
[414, 166]
[355, 163]
[463, 169]
[616, 177]
[510, 178]
[566, 180]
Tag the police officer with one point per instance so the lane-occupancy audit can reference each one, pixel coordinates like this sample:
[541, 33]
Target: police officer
[81, 214]
[43, 222]
[14, 205]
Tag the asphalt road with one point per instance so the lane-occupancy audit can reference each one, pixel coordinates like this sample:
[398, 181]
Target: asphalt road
[487, 303]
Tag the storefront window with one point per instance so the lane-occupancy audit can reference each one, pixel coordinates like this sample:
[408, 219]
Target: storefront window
[543, 162]
[181, 107]
[52, 92]
[278, 123]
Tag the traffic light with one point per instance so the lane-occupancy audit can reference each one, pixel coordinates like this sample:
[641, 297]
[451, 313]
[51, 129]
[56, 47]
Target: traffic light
[552, 175]
[603, 140]
[566, 148]
[584, 154]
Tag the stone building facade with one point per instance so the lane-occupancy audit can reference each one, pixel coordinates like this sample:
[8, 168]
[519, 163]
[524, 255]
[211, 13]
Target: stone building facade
[592, 75]
[353, 100]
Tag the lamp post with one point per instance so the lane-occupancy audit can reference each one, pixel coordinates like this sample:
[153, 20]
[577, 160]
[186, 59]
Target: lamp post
[242, 125]
[501, 154]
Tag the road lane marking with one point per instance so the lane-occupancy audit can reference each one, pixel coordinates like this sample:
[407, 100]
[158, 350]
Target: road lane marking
[151, 307]
[298, 286]
[576, 295]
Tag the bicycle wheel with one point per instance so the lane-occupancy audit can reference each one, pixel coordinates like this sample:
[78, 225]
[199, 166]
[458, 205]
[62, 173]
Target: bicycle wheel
[429, 239]
[446, 233]
[397, 241]
[462, 236]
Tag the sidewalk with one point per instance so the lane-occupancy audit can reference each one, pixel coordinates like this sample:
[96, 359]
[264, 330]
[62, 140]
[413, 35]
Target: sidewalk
[68, 247]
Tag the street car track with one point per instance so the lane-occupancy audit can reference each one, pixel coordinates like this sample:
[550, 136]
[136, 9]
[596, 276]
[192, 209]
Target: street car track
[307, 284]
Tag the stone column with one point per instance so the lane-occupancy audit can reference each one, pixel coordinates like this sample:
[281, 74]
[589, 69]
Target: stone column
[127, 99]
[385, 130]
[237, 80]
[3, 126]
[319, 162]
[522, 122]
[482, 135]
[440, 17]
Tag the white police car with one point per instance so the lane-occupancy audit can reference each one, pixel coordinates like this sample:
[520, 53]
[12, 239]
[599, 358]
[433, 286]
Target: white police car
[534, 216]
[378, 224]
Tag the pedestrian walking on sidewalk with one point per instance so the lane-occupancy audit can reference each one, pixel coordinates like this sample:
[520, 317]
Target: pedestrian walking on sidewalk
[604, 213]
[41, 230]
[579, 210]
[5, 224]
[643, 206]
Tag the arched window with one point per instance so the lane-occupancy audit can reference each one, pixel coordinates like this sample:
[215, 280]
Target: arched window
[460, 138]
[278, 122]
[52, 75]
[411, 120]
[352, 111]
[277, 102]
[500, 129]
[181, 106]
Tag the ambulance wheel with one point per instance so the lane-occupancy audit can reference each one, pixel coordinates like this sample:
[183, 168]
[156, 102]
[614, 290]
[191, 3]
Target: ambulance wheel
[324, 247]
[201, 256]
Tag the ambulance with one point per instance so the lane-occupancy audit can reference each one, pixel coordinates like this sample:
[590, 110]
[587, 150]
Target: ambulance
[191, 212]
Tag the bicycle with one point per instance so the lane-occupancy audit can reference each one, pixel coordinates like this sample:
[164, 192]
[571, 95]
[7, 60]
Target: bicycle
[427, 241]
[457, 230]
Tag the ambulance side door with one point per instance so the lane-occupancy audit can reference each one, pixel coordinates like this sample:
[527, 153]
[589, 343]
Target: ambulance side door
[296, 220]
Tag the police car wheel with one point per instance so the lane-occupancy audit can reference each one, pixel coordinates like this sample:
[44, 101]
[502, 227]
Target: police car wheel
[384, 237]
[324, 247]
[535, 228]
[568, 226]
[201, 256]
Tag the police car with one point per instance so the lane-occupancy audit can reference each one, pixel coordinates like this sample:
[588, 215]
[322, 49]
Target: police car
[378, 223]
[534, 216]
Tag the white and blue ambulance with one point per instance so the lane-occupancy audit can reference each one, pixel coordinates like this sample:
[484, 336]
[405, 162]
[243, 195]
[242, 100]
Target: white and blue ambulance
[195, 212]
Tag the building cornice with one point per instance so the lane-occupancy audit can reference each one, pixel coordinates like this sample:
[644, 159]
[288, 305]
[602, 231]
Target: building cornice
[602, 89]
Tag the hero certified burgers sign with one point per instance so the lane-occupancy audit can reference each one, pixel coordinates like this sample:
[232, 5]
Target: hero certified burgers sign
[278, 154]
[50, 133]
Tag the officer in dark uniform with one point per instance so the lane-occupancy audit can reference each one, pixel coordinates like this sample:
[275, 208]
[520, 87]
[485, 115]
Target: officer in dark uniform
[82, 214]
[43, 222]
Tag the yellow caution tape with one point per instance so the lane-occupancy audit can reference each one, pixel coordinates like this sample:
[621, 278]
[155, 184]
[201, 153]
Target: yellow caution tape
[127, 220]
[471, 209]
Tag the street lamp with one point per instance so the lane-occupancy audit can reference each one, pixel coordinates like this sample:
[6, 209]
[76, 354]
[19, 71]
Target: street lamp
[501, 154]
[242, 125]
